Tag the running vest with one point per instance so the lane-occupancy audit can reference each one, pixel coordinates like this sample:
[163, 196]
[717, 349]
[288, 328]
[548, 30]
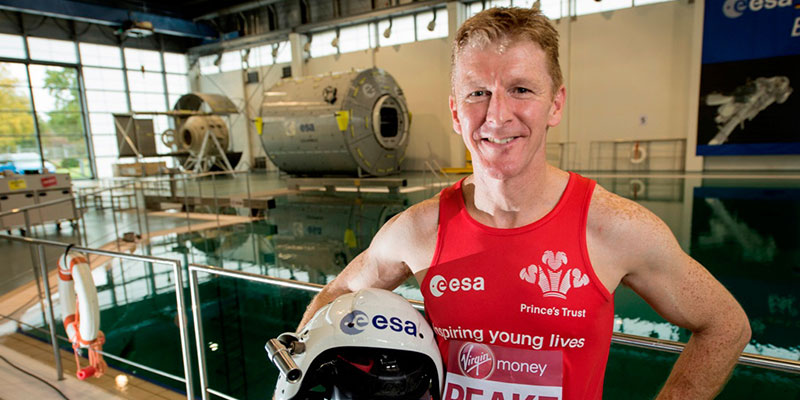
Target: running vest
[519, 313]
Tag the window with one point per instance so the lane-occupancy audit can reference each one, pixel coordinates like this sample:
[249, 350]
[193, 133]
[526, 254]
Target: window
[100, 56]
[12, 46]
[354, 38]
[583, 7]
[231, 61]
[148, 102]
[101, 123]
[104, 79]
[176, 63]
[208, 65]
[260, 56]
[402, 31]
[52, 50]
[177, 84]
[60, 119]
[152, 78]
[284, 53]
[143, 60]
[321, 44]
[18, 139]
[474, 8]
[425, 20]
[644, 2]
[553, 9]
[106, 101]
[150, 82]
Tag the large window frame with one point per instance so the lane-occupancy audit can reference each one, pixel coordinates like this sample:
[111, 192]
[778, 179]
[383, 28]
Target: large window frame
[172, 75]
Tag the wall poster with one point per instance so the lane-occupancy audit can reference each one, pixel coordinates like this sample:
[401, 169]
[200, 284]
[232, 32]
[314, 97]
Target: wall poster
[750, 78]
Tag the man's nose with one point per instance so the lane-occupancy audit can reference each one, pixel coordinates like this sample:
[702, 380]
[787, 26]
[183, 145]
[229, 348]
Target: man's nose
[499, 112]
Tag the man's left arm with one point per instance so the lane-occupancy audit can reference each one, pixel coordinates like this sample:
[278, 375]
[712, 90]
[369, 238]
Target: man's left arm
[685, 294]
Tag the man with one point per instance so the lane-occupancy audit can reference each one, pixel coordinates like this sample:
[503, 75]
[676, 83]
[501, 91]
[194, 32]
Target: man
[524, 256]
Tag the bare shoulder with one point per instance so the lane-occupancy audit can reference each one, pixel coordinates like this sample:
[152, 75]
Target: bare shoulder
[623, 236]
[410, 236]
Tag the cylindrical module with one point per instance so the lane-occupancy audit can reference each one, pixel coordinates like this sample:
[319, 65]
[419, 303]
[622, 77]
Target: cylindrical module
[340, 124]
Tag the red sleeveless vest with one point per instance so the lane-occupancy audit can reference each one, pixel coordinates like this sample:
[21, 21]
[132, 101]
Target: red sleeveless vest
[530, 288]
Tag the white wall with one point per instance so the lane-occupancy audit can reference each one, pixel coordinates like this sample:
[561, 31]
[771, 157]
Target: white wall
[623, 66]
[619, 67]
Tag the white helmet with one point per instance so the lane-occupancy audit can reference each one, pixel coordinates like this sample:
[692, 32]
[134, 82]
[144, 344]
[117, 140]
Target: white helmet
[367, 345]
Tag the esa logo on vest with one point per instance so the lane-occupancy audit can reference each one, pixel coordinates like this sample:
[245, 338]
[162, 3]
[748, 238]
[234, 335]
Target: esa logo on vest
[440, 285]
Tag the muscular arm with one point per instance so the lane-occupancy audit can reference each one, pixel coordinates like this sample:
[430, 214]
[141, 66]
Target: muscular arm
[651, 262]
[401, 247]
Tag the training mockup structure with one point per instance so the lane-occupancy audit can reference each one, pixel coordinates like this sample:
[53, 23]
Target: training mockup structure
[353, 123]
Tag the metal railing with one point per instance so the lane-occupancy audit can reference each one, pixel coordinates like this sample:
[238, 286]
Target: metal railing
[198, 318]
[637, 155]
[618, 338]
[140, 187]
[50, 320]
[754, 360]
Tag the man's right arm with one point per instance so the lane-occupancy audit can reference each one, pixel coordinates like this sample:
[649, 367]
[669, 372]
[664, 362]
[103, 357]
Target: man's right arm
[404, 244]
[363, 272]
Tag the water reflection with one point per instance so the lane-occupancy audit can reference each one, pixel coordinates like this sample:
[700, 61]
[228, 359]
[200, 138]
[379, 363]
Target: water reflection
[745, 233]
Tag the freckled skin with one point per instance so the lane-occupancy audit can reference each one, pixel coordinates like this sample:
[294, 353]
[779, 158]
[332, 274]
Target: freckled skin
[502, 104]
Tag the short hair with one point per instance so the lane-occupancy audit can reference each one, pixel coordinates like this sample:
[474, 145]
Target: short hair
[514, 24]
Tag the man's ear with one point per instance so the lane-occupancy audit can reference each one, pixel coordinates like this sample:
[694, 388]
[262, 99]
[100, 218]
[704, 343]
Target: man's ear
[454, 115]
[557, 107]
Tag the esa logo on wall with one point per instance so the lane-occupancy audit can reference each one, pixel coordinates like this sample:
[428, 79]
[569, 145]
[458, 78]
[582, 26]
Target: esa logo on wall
[749, 76]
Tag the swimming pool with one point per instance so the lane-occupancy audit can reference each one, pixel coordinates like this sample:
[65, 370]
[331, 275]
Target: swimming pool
[743, 230]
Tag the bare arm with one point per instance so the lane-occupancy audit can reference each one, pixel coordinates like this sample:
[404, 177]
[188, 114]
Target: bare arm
[651, 262]
[402, 246]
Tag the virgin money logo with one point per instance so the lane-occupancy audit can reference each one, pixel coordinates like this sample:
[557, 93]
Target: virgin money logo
[476, 360]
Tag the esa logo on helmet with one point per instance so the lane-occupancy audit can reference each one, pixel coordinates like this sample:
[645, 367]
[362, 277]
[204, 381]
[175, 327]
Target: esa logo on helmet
[356, 321]
[439, 284]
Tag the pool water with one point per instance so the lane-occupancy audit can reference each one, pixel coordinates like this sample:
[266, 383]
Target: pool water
[744, 232]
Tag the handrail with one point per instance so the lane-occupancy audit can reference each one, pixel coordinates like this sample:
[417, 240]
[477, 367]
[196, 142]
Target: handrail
[194, 290]
[179, 296]
[755, 360]
[58, 201]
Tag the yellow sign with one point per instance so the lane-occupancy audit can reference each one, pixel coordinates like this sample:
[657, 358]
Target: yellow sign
[259, 125]
[350, 238]
[17, 184]
[343, 119]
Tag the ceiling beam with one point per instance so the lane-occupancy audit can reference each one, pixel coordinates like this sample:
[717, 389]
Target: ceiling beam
[237, 9]
[103, 15]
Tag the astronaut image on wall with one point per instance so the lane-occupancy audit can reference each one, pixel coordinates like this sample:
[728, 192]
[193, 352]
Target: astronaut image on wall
[745, 103]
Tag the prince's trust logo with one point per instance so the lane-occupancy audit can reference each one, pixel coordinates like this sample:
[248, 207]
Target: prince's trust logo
[554, 280]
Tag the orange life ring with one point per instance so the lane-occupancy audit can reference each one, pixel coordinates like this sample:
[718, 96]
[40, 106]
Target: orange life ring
[80, 311]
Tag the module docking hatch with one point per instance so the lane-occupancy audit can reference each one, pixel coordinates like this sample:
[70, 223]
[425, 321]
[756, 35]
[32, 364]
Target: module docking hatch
[353, 123]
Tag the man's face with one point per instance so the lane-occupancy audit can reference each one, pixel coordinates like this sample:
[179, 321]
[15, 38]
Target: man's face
[502, 105]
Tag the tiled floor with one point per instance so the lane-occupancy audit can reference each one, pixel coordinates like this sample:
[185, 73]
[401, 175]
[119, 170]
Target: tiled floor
[37, 358]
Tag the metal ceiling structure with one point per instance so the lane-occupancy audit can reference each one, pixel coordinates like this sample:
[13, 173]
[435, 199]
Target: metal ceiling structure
[218, 25]
[116, 14]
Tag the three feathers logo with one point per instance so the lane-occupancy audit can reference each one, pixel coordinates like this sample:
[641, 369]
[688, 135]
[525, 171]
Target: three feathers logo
[554, 278]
